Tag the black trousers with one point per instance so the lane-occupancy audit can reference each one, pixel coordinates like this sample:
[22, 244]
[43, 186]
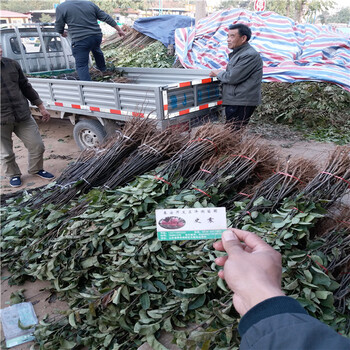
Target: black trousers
[238, 115]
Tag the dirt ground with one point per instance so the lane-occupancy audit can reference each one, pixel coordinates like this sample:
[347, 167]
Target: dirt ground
[61, 150]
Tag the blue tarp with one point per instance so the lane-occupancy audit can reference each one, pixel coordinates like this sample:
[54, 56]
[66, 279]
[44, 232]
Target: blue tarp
[162, 28]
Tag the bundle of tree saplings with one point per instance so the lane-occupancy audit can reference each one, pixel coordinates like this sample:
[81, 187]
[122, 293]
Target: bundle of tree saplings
[333, 181]
[94, 167]
[208, 141]
[334, 230]
[238, 168]
[152, 151]
[269, 194]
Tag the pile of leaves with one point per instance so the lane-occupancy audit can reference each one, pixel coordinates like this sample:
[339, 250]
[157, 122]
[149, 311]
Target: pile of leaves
[136, 50]
[124, 287]
[319, 110]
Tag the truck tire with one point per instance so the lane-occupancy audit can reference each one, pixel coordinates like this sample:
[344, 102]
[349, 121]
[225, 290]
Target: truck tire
[88, 133]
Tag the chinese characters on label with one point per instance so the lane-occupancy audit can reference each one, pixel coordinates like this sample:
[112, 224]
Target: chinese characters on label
[190, 223]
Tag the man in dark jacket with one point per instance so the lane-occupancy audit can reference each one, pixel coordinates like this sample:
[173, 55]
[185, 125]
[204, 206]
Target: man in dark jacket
[81, 17]
[270, 320]
[241, 81]
[16, 118]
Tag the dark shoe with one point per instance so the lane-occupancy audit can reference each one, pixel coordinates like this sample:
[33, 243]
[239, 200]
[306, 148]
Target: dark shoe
[45, 175]
[15, 181]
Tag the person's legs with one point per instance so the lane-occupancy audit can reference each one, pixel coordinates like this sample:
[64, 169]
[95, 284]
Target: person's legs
[98, 54]
[239, 115]
[29, 134]
[81, 50]
[8, 158]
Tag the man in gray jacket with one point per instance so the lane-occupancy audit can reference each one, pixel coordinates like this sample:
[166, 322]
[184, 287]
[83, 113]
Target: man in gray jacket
[241, 81]
[81, 17]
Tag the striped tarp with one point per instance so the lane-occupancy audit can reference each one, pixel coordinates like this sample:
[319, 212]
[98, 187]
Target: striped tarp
[290, 51]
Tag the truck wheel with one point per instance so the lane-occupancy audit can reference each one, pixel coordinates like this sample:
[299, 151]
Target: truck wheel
[88, 133]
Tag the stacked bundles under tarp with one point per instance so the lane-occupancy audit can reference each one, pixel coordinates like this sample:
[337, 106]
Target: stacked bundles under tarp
[290, 51]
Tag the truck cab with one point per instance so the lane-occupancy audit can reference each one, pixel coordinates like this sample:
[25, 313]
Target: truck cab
[37, 47]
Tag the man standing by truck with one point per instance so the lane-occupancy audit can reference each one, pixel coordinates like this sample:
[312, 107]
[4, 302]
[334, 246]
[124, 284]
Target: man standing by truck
[81, 17]
[16, 118]
[241, 81]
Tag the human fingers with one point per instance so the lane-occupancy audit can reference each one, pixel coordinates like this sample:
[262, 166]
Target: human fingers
[231, 242]
[46, 117]
[221, 260]
[218, 246]
[251, 240]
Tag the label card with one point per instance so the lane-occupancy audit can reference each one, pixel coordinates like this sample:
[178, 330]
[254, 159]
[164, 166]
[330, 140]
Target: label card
[190, 223]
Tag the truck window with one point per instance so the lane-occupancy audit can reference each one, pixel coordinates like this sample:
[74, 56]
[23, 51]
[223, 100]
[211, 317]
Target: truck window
[32, 44]
[15, 46]
[53, 43]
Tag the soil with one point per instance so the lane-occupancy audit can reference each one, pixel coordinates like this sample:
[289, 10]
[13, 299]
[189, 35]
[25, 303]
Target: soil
[61, 150]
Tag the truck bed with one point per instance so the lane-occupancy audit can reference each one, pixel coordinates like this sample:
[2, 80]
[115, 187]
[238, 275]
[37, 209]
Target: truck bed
[163, 94]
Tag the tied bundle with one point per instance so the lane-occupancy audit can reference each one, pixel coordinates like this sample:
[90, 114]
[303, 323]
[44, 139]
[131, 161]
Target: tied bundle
[210, 139]
[152, 151]
[238, 168]
[334, 230]
[93, 167]
[281, 184]
[207, 169]
[332, 183]
[133, 40]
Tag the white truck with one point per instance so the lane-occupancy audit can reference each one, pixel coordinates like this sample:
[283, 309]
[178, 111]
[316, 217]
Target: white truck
[170, 96]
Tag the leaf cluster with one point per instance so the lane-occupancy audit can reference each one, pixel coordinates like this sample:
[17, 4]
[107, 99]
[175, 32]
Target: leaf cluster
[152, 56]
[320, 110]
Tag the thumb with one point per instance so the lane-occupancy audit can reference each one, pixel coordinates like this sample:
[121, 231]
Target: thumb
[231, 242]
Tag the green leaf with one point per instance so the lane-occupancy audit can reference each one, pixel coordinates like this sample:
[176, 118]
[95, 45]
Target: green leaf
[154, 343]
[291, 286]
[308, 275]
[108, 339]
[189, 198]
[220, 282]
[203, 288]
[126, 224]
[146, 329]
[155, 245]
[71, 320]
[160, 285]
[92, 261]
[148, 285]
[197, 303]
[322, 294]
[65, 344]
[17, 297]
[125, 293]
[145, 301]
[320, 278]
[22, 326]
